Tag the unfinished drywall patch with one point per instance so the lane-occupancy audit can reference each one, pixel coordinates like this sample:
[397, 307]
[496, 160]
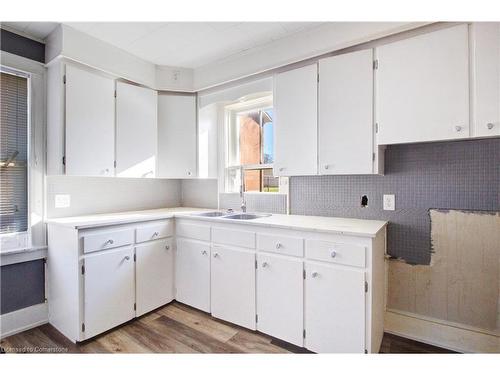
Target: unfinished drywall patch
[447, 175]
[462, 283]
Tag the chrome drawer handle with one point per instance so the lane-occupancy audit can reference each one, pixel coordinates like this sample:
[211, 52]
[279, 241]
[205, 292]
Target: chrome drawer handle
[278, 246]
[265, 264]
[333, 254]
[315, 274]
[110, 242]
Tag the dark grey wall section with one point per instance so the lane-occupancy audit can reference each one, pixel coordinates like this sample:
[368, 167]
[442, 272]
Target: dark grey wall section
[22, 46]
[448, 175]
[22, 285]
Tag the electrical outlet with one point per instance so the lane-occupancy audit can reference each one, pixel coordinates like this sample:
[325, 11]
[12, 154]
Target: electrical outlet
[62, 200]
[389, 202]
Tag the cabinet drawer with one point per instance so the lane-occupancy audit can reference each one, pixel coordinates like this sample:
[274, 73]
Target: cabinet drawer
[233, 237]
[281, 244]
[194, 231]
[154, 231]
[334, 252]
[107, 240]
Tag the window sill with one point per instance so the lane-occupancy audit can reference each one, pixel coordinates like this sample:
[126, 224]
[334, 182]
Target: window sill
[20, 255]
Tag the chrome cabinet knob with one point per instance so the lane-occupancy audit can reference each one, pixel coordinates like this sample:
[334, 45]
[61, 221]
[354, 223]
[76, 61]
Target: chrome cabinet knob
[156, 234]
[490, 125]
[167, 247]
[204, 252]
[281, 169]
[189, 173]
[110, 242]
[278, 246]
[127, 258]
[216, 255]
[327, 166]
[458, 128]
[333, 254]
[315, 274]
[265, 264]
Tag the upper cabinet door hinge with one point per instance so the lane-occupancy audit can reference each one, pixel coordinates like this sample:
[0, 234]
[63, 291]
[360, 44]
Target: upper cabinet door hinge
[64, 160]
[83, 269]
[304, 274]
[366, 286]
[135, 257]
[373, 157]
[83, 327]
[375, 64]
[135, 306]
[115, 93]
[256, 318]
[64, 79]
[114, 164]
[255, 263]
[376, 127]
[317, 77]
[304, 333]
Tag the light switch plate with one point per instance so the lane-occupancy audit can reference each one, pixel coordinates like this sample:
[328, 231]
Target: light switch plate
[62, 200]
[389, 202]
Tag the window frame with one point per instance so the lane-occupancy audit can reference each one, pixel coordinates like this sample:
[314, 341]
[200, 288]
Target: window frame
[34, 238]
[230, 112]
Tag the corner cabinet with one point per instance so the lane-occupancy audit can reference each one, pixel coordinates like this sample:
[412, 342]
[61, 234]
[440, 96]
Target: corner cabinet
[177, 136]
[295, 104]
[89, 123]
[423, 87]
[136, 131]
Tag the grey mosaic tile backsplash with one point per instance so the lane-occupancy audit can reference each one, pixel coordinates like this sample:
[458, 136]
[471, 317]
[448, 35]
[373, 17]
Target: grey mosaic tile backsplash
[446, 175]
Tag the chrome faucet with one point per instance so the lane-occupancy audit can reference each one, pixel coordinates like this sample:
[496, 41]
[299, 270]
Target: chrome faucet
[242, 190]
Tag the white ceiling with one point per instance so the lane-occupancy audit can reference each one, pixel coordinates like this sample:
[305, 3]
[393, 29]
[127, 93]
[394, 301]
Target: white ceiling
[36, 30]
[182, 44]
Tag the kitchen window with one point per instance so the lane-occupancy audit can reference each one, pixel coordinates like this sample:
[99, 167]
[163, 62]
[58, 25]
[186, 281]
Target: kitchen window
[14, 135]
[250, 146]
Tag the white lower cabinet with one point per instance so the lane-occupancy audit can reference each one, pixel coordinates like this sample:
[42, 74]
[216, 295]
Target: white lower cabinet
[154, 269]
[109, 290]
[280, 306]
[334, 309]
[233, 285]
[192, 276]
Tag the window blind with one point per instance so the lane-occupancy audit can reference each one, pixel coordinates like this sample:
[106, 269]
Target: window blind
[13, 153]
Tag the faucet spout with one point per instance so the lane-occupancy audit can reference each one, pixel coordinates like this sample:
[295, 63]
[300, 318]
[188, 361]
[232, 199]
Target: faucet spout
[242, 190]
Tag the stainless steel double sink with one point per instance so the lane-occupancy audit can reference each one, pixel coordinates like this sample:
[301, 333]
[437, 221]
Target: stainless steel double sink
[230, 215]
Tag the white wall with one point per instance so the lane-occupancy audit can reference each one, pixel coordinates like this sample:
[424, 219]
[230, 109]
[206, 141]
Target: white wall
[93, 195]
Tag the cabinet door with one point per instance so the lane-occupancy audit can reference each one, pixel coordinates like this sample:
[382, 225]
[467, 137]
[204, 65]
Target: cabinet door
[154, 272]
[192, 274]
[296, 122]
[423, 87]
[346, 114]
[177, 136]
[109, 290]
[233, 285]
[334, 309]
[136, 131]
[280, 296]
[486, 73]
[90, 123]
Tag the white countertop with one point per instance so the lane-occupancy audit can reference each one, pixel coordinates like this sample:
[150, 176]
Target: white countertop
[356, 227]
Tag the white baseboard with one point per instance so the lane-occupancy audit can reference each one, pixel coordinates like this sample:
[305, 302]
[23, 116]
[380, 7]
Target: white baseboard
[437, 333]
[23, 319]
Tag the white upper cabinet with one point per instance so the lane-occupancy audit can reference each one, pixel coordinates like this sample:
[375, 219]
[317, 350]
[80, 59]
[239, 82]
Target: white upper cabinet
[295, 122]
[136, 131]
[346, 114]
[423, 87]
[177, 144]
[90, 123]
[486, 78]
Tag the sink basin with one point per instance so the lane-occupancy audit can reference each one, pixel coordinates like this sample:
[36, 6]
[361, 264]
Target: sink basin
[246, 216]
[209, 214]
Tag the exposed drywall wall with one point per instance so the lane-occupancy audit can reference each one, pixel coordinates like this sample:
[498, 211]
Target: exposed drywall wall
[461, 284]
[93, 195]
[447, 175]
[22, 285]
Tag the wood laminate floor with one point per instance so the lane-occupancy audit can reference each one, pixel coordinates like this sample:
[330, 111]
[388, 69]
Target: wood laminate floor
[177, 328]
